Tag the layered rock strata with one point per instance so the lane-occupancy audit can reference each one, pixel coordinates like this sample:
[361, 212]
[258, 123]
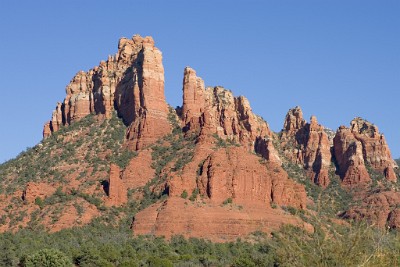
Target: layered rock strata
[307, 144]
[360, 146]
[215, 111]
[222, 223]
[130, 82]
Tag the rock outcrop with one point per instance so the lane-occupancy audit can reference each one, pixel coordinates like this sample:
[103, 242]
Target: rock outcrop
[215, 111]
[236, 174]
[375, 149]
[131, 82]
[37, 190]
[360, 146]
[139, 171]
[117, 193]
[307, 144]
[349, 158]
[231, 194]
[218, 223]
[381, 209]
[220, 178]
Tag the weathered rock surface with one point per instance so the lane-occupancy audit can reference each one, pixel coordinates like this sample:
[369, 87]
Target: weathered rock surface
[380, 209]
[375, 149]
[265, 147]
[349, 158]
[362, 145]
[228, 174]
[307, 144]
[234, 173]
[139, 171]
[132, 82]
[215, 111]
[117, 192]
[224, 190]
[37, 190]
[219, 223]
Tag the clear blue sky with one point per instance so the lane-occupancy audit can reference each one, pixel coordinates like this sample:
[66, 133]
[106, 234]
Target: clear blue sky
[336, 59]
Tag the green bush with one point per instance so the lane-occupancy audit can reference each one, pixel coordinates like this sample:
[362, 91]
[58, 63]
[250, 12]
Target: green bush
[227, 201]
[194, 195]
[184, 194]
[47, 258]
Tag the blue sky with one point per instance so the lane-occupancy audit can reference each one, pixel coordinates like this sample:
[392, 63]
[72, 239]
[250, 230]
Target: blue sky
[336, 59]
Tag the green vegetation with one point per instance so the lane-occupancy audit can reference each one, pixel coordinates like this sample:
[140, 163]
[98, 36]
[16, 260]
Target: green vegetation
[169, 154]
[47, 258]
[123, 158]
[194, 195]
[184, 194]
[227, 201]
[102, 245]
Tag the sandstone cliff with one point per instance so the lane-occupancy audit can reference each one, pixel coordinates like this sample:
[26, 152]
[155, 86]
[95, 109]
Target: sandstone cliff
[215, 111]
[223, 174]
[130, 82]
[219, 168]
[307, 144]
[360, 146]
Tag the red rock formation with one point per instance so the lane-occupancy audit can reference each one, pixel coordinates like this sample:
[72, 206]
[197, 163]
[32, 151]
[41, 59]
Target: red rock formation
[293, 122]
[79, 100]
[117, 193]
[47, 129]
[151, 109]
[380, 209]
[217, 111]
[193, 100]
[139, 171]
[360, 145]
[218, 223]
[349, 158]
[37, 190]
[307, 144]
[375, 149]
[132, 81]
[228, 173]
[236, 174]
[266, 149]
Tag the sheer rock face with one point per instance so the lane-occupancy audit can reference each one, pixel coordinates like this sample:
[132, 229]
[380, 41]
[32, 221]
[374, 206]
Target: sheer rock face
[349, 158]
[131, 82]
[266, 149]
[307, 144]
[215, 111]
[117, 193]
[193, 100]
[375, 149]
[236, 174]
[359, 145]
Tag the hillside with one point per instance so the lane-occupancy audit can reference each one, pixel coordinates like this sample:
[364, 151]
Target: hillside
[115, 155]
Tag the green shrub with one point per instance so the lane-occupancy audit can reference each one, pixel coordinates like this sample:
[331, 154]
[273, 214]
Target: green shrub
[47, 258]
[184, 194]
[39, 202]
[227, 201]
[194, 195]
